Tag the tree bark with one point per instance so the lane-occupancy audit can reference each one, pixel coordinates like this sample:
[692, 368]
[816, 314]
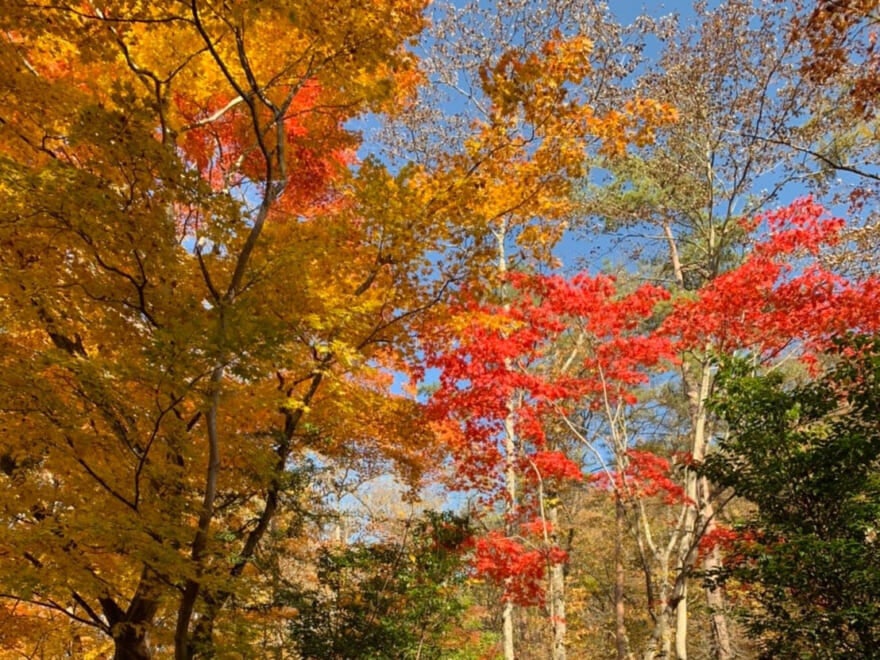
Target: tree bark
[619, 578]
[721, 642]
[681, 625]
[507, 615]
[131, 643]
[193, 586]
[130, 628]
[507, 631]
[722, 647]
[507, 627]
[557, 592]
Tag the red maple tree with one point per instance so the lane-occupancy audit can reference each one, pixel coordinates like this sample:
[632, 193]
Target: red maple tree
[553, 345]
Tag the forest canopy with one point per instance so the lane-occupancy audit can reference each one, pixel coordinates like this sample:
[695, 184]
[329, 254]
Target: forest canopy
[393, 329]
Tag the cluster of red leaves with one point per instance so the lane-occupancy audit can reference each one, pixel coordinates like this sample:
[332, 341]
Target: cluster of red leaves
[646, 475]
[537, 527]
[621, 351]
[720, 536]
[503, 356]
[735, 544]
[781, 295]
[514, 565]
[550, 465]
[207, 137]
[497, 362]
[218, 141]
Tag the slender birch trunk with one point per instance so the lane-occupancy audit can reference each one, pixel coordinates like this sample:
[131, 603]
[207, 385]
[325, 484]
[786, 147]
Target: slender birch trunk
[557, 592]
[619, 577]
[508, 630]
[507, 615]
[722, 644]
[701, 519]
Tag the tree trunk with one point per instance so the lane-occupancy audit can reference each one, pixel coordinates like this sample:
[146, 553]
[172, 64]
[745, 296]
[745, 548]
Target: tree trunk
[698, 392]
[660, 644]
[507, 628]
[681, 626]
[131, 643]
[507, 631]
[186, 606]
[721, 642]
[510, 449]
[130, 628]
[722, 647]
[619, 576]
[557, 592]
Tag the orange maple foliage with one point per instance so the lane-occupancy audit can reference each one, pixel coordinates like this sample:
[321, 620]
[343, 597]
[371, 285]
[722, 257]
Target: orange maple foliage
[193, 300]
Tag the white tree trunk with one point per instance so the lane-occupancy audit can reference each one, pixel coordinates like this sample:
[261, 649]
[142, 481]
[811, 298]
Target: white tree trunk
[557, 592]
[510, 450]
[507, 631]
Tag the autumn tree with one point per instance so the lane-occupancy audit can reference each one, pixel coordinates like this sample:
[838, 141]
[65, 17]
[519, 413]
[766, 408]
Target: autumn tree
[742, 143]
[688, 191]
[555, 347]
[780, 305]
[198, 288]
[525, 79]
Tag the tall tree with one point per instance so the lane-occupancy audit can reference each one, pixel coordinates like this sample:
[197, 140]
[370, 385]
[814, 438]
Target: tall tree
[525, 78]
[807, 456]
[552, 347]
[197, 290]
[743, 142]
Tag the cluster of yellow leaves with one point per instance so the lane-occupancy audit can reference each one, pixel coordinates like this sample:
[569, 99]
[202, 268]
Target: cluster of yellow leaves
[518, 166]
[138, 144]
[35, 632]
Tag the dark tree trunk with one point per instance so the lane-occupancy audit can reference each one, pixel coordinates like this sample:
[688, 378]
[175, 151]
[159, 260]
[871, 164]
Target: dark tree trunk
[131, 642]
[130, 628]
